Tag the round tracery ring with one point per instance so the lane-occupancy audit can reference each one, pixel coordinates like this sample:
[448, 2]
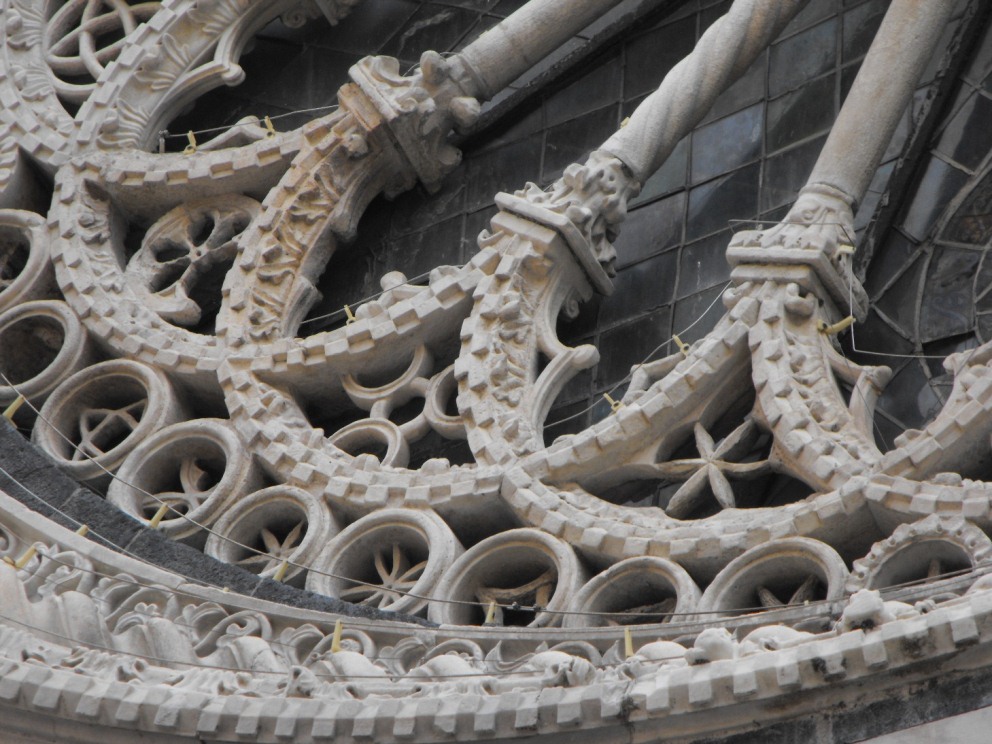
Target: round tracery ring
[269, 527]
[96, 417]
[195, 468]
[781, 573]
[519, 577]
[84, 36]
[392, 559]
[633, 592]
[41, 344]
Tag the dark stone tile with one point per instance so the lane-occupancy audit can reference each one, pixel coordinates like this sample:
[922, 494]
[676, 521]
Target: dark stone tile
[947, 307]
[649, 229]
[967, 138]
[641, 287]
[940, 697]
[419, 253]
[507, 168]
[576, 389]
[749, 89]
[900, 300]
[802, 57]
[475, 223]
[31, 476]
[888, 260]
[417, 209]
[156, 548]
[727, 144]
[651, 55]
[696, 315]
[108, 524]
[788, 172]
[566, 419]
[940, 183]
[573, 141]
[671, 176]
[875, 335]
[801, 114]
[708, 15]
[860, 25]
[813, 13]
[522, 122]
[630, 344]
[595, 89]
[704, 264]
[714, 204]
[573, 331]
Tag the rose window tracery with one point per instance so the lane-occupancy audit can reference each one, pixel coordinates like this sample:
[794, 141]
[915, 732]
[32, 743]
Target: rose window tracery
[82, 37]
[180, 351]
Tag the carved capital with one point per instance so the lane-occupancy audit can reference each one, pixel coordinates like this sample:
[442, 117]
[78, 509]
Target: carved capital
[818, 232]
[586, 205]
[307, 10]
[421, 109]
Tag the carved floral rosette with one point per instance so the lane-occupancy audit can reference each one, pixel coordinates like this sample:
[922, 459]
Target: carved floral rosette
[507, 552]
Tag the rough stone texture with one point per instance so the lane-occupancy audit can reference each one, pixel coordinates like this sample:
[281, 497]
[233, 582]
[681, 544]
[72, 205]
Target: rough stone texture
[753, 447]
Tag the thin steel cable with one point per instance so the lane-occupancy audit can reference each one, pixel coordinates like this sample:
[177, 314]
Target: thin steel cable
[723, 613]
[654, 351]
[166, 134]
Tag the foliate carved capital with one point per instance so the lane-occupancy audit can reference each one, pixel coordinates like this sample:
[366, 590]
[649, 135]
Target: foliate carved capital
[307, 10]
[586, 205]
[421, 109]
[818, 232]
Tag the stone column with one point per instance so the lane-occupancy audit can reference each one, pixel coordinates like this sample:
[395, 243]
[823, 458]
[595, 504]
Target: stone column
[904, 44]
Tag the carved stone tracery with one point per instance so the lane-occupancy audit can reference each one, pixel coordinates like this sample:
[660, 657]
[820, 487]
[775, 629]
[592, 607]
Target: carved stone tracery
[543, 549]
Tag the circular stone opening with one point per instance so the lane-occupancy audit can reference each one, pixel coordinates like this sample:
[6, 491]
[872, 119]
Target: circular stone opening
[30, 346]
[180, 475]
[100, 416]
[517, 578]
[14, 253]
[928, 559]
[392, 557]
[266, 536]
[636, 599]
[775, 583]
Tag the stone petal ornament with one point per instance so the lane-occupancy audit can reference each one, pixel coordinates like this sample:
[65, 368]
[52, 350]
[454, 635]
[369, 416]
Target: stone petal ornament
[184, 391]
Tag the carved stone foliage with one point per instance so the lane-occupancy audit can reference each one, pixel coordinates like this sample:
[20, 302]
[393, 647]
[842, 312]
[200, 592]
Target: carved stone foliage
[153, 318]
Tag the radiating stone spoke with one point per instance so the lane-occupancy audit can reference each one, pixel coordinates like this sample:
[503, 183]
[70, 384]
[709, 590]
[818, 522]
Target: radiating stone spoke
[102, 429]
[715, 468]
[396, 576]
[806, 592]
[277, 549]
[658, 612]
[535, 593]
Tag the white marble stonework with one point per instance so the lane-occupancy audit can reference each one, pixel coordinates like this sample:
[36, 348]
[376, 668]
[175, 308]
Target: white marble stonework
[544, 608]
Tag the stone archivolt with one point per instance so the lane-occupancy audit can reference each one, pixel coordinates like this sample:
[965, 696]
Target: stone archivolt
[523, 535]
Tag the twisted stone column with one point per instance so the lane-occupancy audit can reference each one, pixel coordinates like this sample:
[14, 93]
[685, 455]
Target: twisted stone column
[512, 47]
[588, 203]
[689, 90]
